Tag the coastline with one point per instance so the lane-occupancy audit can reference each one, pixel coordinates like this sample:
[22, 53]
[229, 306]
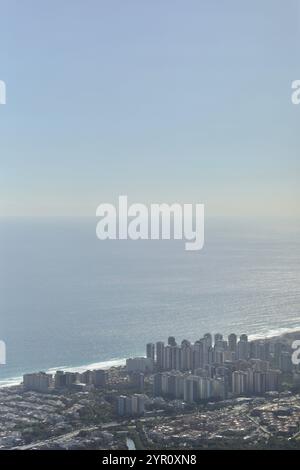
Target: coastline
[15, 381]
[287, 334]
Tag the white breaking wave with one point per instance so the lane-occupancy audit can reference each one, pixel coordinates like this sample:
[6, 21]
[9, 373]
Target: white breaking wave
[274, 332]
[13, 381]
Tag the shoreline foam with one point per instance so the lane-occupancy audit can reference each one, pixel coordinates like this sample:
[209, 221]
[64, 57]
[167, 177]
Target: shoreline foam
[15, 381]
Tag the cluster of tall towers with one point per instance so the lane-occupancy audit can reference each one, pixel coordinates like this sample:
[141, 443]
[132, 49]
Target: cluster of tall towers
[191, 356]
[213, 367]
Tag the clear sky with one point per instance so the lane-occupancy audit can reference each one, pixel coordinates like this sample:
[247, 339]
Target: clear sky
[162, 100]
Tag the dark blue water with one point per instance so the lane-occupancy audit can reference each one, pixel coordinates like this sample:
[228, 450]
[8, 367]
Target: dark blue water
[68, 299]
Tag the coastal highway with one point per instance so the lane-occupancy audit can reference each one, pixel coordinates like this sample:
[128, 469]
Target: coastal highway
[62, 437]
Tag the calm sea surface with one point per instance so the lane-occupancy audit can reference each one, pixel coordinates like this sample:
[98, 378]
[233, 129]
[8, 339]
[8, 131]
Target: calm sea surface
[68, 299]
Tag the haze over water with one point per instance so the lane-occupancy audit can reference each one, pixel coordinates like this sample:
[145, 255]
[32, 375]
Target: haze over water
[68, 299]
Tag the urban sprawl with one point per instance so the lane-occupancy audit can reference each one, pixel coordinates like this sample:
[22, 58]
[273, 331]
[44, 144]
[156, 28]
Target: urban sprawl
[214, 393]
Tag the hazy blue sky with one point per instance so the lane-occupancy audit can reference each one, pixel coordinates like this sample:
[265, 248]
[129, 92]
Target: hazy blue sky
[162, 100]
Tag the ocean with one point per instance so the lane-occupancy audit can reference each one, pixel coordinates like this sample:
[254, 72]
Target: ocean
[71, 301]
